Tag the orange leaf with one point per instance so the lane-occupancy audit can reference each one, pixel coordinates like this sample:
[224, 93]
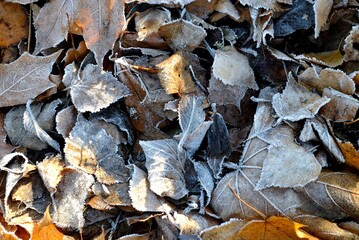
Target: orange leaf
[45, 229]
[274, 228]
[350, 153]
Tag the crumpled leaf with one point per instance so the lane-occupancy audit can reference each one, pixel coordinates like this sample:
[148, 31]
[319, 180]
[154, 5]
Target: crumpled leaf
[149, 22]
[205, 178]
[69, 199]
[5, 147]
[93, 89]
[296, 102]
[175, 75]
[31, 125]
[341, 108]
[218, 147]
[322, 9]
[182, 35]
[143, 199]
[27, 75]
[45, 229]
[351, 53]
[115, 194]
[327, 78]
[100, 22]
[192, 122]
[19, 127]
[274, 228]
[232, 68]
[293, 161]
[14, 26]
[165, 168]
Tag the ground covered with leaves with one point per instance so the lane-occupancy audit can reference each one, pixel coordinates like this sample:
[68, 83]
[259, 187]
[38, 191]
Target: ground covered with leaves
[182, 119]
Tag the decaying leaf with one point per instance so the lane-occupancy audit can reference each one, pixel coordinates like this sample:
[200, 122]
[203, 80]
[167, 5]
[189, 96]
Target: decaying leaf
[50, 171]
[5, 147]
[45, 229]
[148, 22]
[65, 120]
[14, 26]
[328, 58]
[25, 78]
[227, 7]
[175, 75]
[206, 179]
[350, 153]
[322, 9]
[226, 231]
[267, 4]
[296, 102]
[93, 89]
[232, 68]
[351, 53]
[182, 35]
[192, 224]
[165, 168]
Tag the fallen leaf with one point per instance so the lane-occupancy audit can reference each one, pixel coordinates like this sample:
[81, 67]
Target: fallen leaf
[296, 102]
[76, 55]
[165, 168]
[205, 177]
[263, 26]
[182, 35]
[350, 153]
[276, 228]
[227, 7]
[94, 89]
[225, 231]
[14, 26]
[135, 237]
[50, 170]
[322, 9]
[115, 194]
[192, 224]
[149, 22]
[27, 75]
[5, 147]
[232, 68]
[180, 2]
[351, 53]
[45, 229]
[66, 120]
[266, 4]
[328, 58]
[175, 75]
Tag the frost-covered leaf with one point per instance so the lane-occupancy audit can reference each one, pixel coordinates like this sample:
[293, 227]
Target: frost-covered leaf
[232, 68]
[192, 223]
[94, 89]
[301, 16]
[351, 53]
[350, 153]
[205, 178]
[296, 102]
[341, 108]
[192, 122]
[25, 78]
[149, 21]
[225, 231]
[69, 199]
[293, 161]
[143, 199]
[322, 9]
[165, 168]
[5, 147]
[180, 2]
[182, 35]
[66, 120]
[257, 4]
[227, 7]
[14, 26]
[32, 125]
[332, 58]
[175, 75]
[218, 147]
[50, 172]
[327, 78]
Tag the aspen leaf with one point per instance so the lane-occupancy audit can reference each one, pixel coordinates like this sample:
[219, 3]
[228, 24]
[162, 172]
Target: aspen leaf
[30, 81]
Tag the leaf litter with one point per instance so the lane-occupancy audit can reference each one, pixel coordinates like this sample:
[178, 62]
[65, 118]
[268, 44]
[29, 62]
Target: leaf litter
[182, 120]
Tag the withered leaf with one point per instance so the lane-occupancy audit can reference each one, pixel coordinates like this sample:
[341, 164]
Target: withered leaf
[266, 4]
[218, 147]
[5, 147]
[205, 178]
[193, 223]
[135, 237]
[351, 53]
[332, 58]
[182, 35]
[50, 172]
[175, 75]
[293, 161]
[165, 168]
[322, 9]
[181, 2]
[45, 229]
[232, 68]
[226, 231]
[66, 120]
[296, 102]
[227, 7]
[25, 78]
[192, 122]
[69, 199]
[148, 22]
[143, 199]
[94, 89]
[350, 153]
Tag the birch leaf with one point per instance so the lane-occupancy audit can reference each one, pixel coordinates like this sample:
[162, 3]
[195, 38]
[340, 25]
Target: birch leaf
[296, 102]
[96, 89]
[25, 78]
[232, 68]
[165, 168]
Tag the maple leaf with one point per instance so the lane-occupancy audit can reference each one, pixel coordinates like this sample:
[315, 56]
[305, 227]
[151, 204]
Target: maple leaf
[25, 78]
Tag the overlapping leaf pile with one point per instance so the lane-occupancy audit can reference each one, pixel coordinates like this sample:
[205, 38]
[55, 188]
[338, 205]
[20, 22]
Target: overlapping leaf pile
[184, 119]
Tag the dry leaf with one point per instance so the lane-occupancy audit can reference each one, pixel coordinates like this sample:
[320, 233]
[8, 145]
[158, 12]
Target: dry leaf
[149, 21]
[66, 120]
[351, 52]
[232, 68]
[69, 199]
[226, 231]
[76, 55]
[180, 2]
[182, 35]
[341, 107]
[27, 75]
[192, 224]
[327, 78]
[165, 168]
[227, 7]
[350, 153]
[50, 172]
[322, 9]
[266, 4]
[276, 228]
[296, 102]
[94, 89]
[175, 75]
[115, 194]
[45, 229]
[201, 8]
[135, 237]
[143, 199]
[329, 58]
[14, 26]
[205, 177]
[5, 147]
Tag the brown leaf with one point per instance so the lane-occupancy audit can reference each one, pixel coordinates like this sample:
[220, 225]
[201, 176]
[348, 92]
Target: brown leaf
[322, 9]
[226, 231]
[192, 224]
[350, 153]
[14, 26]
[27, 75]
[45, 229]
[329, 58]
[266, 4]
[232, 68]
[66, 120]
[5, 147]
[351, 53]
[50, 171]
[77, 54]
[149, 21]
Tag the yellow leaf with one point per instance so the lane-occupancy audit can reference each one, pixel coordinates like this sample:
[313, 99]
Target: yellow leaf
[330, 58]
[45, 229]
[274, 228]
[350, 153]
